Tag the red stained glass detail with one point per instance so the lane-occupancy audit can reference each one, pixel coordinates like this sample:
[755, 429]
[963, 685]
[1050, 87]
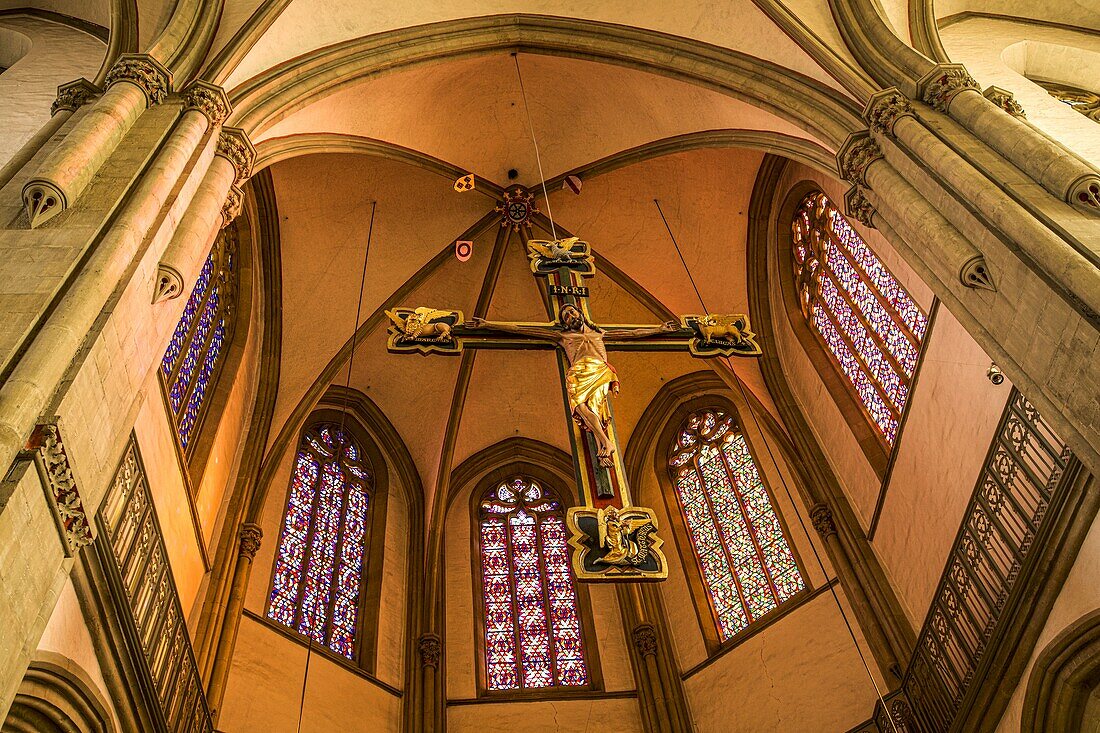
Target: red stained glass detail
[322, 544]
[871, 326]
[533, 635]
[744, 555]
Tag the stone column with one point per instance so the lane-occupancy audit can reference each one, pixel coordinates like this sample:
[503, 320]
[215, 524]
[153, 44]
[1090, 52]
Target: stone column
[950, 89]
[644, 636]
[429, 649]
[822, 519]
[250, 537]
[70, 97]
[136, 82]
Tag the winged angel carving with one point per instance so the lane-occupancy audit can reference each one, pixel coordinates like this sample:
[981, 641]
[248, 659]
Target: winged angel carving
[626, 538]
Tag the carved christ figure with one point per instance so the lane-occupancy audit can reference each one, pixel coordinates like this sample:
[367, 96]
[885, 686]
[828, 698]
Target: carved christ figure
[589, 377]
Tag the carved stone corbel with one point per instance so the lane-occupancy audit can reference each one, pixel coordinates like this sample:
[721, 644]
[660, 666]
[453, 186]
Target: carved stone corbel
[975, 274]
[885, 108]
[858, 207]
[1004, 99]
[940, 85]
[430, 648]
[169, 283]
[144, 72]
[856, 155]
[232, 206]
[250, 535]
[822, 519]
[62, 494]
[644, 637]
[209, 99]
[73, 95]
[234, 146]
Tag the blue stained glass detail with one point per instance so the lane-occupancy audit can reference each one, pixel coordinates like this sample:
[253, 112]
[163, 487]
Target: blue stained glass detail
[194, 351]
[179, 337]
[194, 404]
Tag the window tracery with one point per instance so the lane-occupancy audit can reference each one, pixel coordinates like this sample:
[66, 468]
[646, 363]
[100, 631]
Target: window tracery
[1082, 100]
[745, 558]
[196, 351]
[317, 585]
[532, 628]
[866, 319]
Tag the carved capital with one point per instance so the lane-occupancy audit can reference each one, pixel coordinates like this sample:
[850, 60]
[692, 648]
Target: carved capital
[144, 72]
[885, 108]
[858, 207]
[645, 639]
[74, 95]
[1084, 193]
[975, 274]
[1004, 99]
[61, 490]
[939, 86]
[822, 519]
[169, 284]
[250, 534]
[209, 99]
[430, 648]
[232, 206]
[234, 146]
[856, 155]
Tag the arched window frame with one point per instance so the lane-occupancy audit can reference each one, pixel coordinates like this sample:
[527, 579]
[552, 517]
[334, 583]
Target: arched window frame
[370, 581]
[709, 624]
[220, 272]
[871, 440]
[551, 484]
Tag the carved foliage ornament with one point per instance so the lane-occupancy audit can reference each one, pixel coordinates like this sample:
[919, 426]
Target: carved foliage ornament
[231, 209]
[885, 108]
[856, 156]
[430, 648]
[1004, 99]
[822, 519]
[250, 534]
[208, 99]
[57, 477]
[234, 146]
[74, 95]
[645, 640]
[858, 207]
[145, 72]
[939, 87]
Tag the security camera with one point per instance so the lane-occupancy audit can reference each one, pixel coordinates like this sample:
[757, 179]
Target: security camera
[995, 374]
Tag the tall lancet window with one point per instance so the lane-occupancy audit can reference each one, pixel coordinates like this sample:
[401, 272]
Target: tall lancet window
[867, 321]
[744, 554]
[533, 635]
[319, 561]
[195, 354]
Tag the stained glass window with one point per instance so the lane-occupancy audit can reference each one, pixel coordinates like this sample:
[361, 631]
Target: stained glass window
[533, 634]
[1082, 100]
[868, 322]
[196, 351]
[320, 557]
[744, 555]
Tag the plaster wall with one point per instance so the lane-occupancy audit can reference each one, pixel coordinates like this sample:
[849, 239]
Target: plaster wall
[619, 715]
[1004, 53]
[1069, 12]
[53, 54]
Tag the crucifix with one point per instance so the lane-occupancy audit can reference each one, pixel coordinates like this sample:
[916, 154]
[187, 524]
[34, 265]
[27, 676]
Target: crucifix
[612, 539]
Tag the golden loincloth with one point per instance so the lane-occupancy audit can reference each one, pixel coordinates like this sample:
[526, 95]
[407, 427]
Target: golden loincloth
[587, 383]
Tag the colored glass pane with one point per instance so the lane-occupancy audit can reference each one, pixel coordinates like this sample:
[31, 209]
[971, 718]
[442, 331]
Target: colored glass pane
[744, 556]
[869, 323]
[533, 636]
[194, 354]
[322, 543]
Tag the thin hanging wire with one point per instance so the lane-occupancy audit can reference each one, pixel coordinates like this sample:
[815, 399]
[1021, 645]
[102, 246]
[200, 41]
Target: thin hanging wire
[343, 415]
[783, 480]
[535, 143]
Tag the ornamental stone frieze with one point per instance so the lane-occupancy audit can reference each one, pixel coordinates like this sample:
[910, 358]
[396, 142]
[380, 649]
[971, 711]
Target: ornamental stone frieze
[858, 207]
[74, 95]
[1004, 99]
[885, 108]
[856, 156]
[63, 496]
[430, 648]
[144, 72]
[234, 146]
[250, 534]
[822, 519]
[940, 85]
[209, 99]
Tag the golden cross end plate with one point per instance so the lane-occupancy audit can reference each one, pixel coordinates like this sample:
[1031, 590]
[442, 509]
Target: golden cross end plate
[424, 330]
[611, 544]
[721, 335]
[549, 256]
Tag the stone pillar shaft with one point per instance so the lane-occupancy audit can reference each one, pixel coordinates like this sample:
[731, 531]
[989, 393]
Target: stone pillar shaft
[250, 536]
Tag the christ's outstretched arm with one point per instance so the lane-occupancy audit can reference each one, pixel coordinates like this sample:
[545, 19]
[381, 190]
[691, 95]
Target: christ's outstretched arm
[538, 332]
[626, 334]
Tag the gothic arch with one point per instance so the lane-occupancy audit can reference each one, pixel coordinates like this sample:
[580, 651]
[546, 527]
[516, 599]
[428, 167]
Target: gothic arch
[1065, 675]
[57, 696]
[264, 99]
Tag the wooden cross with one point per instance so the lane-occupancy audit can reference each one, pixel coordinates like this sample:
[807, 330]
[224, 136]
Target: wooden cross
[612, 539]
